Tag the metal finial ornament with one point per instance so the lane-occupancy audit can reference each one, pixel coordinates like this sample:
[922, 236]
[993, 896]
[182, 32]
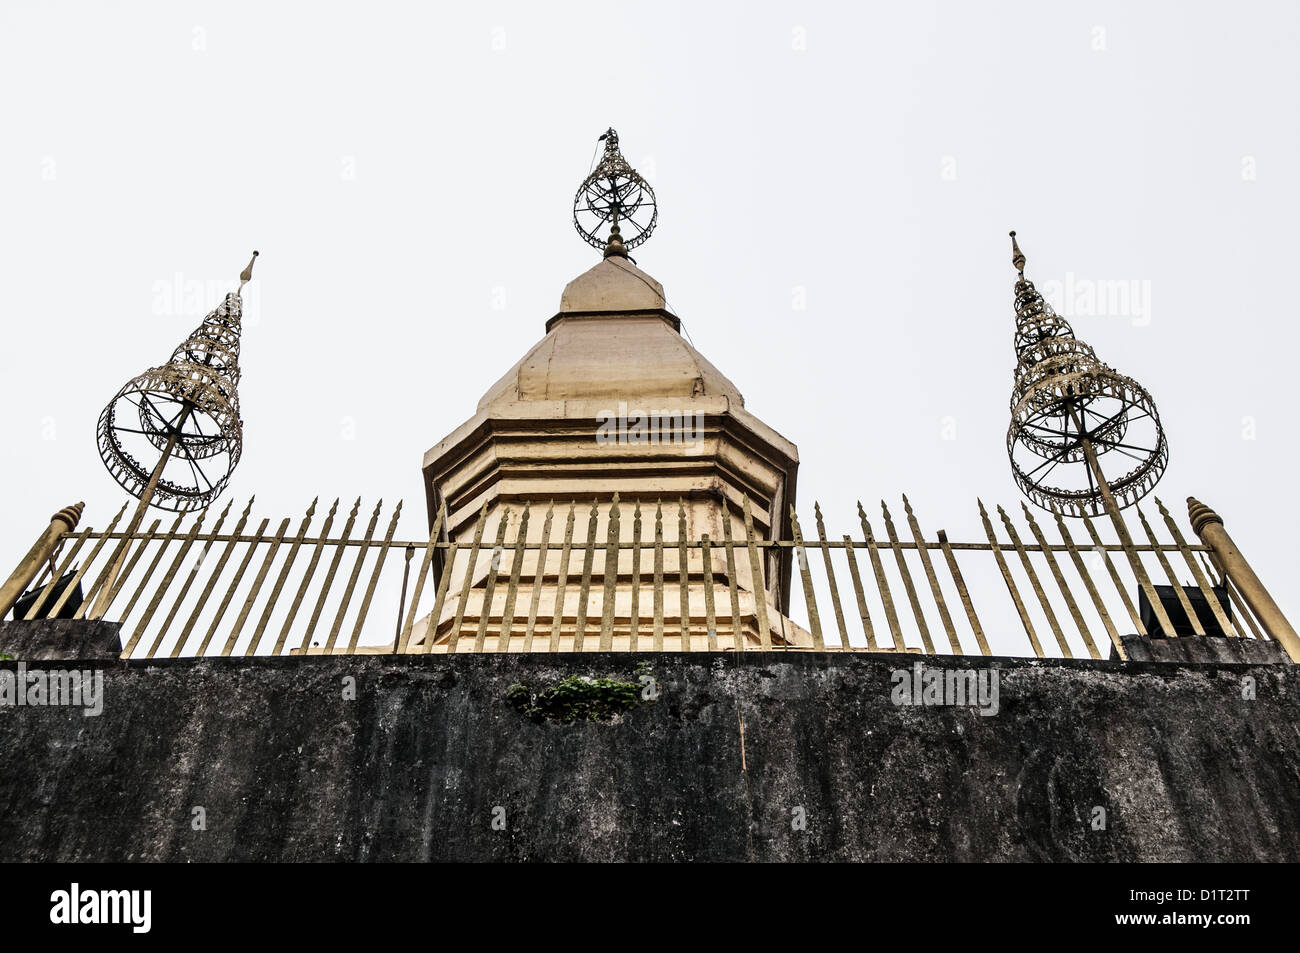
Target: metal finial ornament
[172, 436]
[1069, 411]
[614, 194]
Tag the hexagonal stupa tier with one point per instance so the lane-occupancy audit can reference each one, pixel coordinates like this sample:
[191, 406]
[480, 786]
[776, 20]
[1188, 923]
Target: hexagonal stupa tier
[614, 401]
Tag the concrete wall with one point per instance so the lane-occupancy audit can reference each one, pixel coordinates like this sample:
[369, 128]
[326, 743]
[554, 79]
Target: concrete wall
[286, 768]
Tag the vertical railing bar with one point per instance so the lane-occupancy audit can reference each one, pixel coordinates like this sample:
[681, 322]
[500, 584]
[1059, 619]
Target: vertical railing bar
[882, 581]
[512, 585]
[957, 579]
[830, 577]
[539, 577]
[167, 539]
[1037, 586]
[90, 561]
[634, 622]
[908, 586]
[562, 579]
[305, 583]
[659, 577]
[1221, 581]
[143, 544]
[89, 596]
[610, 593]
[251, 599]
[584, 588]
[810, 598]
[1099, 547]
[346, 598]
[1242, 609]
[683, 578]
[923, 551]
[1011, 583]
[239, 575]
[867, 628]
[62, 570]
[733, 585]
[490, 584]
[144, 539]
[304, 646]
[710, 616]
[1215, 577]
[1140, 573]
[50, 564]
[1163, 560]
[380, 557]
[759, 579]
[426, 565]
[274, 596]
[1225, 624]
[166, 583]
[440, 597]
[189, 581]
[453, 640]
[1055, 568]
[1081, 568]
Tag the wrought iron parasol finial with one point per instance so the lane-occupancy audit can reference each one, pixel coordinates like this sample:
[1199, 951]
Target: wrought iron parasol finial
[614, 194]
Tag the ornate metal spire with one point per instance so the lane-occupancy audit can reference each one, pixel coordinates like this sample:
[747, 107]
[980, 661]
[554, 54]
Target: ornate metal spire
[614, 193]
[1069, 411]
[184, 413]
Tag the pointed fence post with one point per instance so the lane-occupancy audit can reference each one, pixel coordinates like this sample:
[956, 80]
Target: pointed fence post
[1208, 525]
[64, 521]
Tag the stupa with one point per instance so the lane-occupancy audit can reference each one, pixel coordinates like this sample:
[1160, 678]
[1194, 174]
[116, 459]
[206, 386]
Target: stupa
[613, 405]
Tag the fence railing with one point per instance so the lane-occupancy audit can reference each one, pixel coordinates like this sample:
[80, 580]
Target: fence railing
[630, 575]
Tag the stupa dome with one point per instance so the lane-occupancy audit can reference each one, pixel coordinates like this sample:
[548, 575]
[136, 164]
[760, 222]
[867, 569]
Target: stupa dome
[612, 339]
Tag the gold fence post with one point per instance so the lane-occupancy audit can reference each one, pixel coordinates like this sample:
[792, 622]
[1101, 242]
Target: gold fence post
[64, 521]
[1208, 525]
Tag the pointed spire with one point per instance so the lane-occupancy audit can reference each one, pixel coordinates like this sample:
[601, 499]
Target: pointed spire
[1017, 256]
[1069, 410]
[614, 194]
[246, 275]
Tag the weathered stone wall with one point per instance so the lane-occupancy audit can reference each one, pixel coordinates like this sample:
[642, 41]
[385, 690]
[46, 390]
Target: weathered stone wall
[286, 768]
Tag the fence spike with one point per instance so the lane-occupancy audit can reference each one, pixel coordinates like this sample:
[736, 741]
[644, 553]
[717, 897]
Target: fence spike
[512, 587]
[467, 583]
[611, 579]
[919, 538]
[1011, 584]
[1066, 594]
[810, 598]
[830, 576]
[384, 547]
[539, 577]
[908, 586]
[584, 591]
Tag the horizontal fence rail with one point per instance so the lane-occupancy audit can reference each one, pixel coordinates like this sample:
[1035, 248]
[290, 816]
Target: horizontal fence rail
[636, 575]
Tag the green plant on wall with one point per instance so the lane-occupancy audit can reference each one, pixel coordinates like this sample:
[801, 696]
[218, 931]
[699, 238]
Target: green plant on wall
[576, 698]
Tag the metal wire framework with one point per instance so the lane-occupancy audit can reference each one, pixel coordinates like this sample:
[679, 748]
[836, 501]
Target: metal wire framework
[180, 422]
[614, 194]
[1069, 411]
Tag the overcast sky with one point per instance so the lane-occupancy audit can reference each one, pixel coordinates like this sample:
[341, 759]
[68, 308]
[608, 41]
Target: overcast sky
[836, 183]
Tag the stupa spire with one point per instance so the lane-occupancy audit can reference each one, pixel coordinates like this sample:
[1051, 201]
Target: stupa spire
[614, 194]
[1069, 411]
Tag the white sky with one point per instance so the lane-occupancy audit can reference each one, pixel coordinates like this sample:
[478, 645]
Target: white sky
[403, 167]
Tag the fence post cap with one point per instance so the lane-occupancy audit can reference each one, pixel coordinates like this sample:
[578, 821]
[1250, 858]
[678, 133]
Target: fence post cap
[1201, 515]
